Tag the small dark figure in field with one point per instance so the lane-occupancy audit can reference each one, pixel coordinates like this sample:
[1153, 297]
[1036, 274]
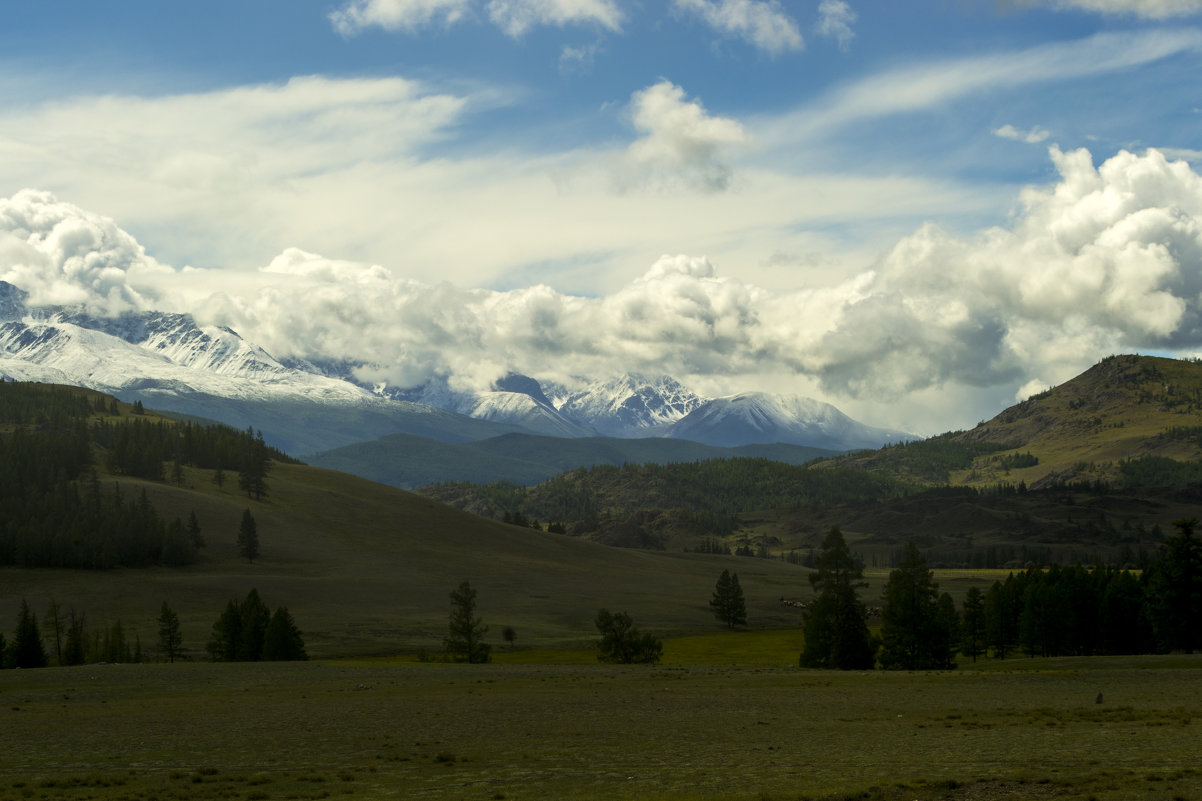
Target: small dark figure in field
[1098, 700]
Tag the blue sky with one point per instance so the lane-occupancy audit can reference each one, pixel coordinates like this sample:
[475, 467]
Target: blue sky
[919, 211]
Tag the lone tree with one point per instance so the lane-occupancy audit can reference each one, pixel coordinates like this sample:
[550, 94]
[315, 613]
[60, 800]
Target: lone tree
[836, 628]
[465, 637]
[254, 466]
[248, 537]
[170, 638]
[509, 634]
[728, 603]
[624, 644]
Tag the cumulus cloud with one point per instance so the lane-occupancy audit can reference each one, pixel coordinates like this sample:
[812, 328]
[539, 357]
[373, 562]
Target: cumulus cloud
[65, 256]
[1031, 137]
[835, 19]
[681, 145]
[1106, 258]
[393, 15]
[761, 23]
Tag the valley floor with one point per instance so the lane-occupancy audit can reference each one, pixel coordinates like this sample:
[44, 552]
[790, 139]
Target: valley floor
[1014, 729]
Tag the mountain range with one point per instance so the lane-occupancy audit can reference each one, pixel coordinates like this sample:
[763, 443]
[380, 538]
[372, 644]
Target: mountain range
[172, 363]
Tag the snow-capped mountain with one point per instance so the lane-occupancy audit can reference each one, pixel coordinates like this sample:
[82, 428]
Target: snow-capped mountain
[632, 405]
[761, 417]
[171, 363]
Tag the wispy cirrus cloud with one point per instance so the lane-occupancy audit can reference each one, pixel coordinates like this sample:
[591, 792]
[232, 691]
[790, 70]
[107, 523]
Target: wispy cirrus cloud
[1146, 9]
[1031, 137]
[835, 19]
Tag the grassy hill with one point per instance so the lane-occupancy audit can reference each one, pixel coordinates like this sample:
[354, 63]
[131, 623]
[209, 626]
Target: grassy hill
[1124, 408]
[366, 569]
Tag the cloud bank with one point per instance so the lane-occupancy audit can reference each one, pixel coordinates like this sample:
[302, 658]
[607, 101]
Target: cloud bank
[514, 17]
[1106, 258]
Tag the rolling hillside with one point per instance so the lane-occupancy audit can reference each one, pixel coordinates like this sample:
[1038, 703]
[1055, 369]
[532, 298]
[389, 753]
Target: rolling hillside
[1124, 408]
[366, 568]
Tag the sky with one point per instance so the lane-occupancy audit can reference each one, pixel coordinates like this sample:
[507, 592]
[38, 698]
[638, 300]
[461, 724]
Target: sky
[921, 212]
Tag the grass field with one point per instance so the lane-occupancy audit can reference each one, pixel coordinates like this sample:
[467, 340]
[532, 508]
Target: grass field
[1006, 730]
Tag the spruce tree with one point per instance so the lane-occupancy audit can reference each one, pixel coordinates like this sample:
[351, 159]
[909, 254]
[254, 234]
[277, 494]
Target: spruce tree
[915, 633]
[728, 603]
[248, 537]
[283, 641]
[27, 648]
[836, 628]
[465, 638]
[973, 629]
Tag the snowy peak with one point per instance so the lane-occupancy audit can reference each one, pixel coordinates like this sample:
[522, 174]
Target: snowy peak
[12, 302]
[758, 417]
[631, 405]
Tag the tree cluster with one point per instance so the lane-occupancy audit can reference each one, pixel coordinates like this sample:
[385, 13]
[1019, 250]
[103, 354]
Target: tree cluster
[248, 631]
[622, 643]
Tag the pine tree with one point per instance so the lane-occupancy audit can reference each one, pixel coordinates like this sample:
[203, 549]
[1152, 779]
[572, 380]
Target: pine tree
[465, 638]
[283, 641]
[973, 629]
[27, 649]
[248, 537]
[1176, 590]
[170, 638]
[915, 635]
[728, 603]
[836, 629]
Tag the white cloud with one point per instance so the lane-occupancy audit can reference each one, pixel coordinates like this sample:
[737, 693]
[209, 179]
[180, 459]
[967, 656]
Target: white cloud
[937, 83]
[1105, 259]
[761, 23]
[516, 17]
[1148, 9]
[63, 255]
[391, 15]
[1031, 137]
[835, 19]
[681, 143]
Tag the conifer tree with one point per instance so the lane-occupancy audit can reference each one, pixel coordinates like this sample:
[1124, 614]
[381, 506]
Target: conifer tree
[465, 638]
[836, 629]
[27, 648]
[170, 638]
[728, 603]
[916, 634]
[283, 641]
[973, 629]
[622, 643]
[248, 537]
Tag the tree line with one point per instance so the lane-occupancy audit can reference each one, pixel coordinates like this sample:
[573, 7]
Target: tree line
[246, 631]
[1056, 612]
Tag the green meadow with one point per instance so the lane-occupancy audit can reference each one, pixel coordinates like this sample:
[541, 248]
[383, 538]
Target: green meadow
[702, 725]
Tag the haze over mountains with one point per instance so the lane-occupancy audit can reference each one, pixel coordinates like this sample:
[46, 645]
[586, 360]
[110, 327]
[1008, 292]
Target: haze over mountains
[170, 362]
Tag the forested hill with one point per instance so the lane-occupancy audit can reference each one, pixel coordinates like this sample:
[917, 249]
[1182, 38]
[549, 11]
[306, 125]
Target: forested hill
[59, 446]
[648, 505]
